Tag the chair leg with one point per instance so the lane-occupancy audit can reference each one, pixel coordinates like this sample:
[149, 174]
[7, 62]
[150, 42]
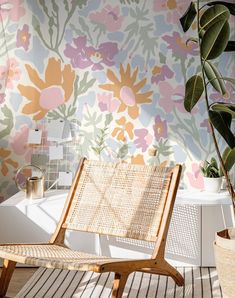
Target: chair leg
[178, 278]
[119, 284]
[7, 271]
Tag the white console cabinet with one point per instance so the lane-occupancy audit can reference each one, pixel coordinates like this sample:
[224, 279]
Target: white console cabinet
[196, 218]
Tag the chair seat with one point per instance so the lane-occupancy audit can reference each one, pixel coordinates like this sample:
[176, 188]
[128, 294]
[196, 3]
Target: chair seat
[54, 256]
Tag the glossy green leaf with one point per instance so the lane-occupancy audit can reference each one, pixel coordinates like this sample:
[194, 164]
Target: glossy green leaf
[221, 121]
[228, 158]
[230, 46]
[188, 17]
[229, 5]
[225, 107]
[193, 91]
[215, 40]
[213, 15]
[214, 77]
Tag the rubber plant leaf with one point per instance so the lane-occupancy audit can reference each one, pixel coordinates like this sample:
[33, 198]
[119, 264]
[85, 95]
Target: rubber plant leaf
[229, 5]
[214, 77]
[213, 15]
[228, 159]
[215, 40]
[221, 121]
[188, 17]
[230, 46]
[225, 107]
[193, 91]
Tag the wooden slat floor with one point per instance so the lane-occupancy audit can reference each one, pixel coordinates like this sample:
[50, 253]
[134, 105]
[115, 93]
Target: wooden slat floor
[47, 283]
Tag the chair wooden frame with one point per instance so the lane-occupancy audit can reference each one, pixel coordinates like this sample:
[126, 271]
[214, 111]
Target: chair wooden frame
[121, 267]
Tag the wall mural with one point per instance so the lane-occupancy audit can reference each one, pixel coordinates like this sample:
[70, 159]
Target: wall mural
[116, 69]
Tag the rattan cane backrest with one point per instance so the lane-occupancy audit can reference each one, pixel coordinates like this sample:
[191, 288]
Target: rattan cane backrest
[120, 199]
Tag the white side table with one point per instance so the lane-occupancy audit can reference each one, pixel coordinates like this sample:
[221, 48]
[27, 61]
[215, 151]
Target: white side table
[196, 218]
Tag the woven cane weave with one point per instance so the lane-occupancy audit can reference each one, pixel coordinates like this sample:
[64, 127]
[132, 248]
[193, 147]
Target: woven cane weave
[120, 199]
[53, 256]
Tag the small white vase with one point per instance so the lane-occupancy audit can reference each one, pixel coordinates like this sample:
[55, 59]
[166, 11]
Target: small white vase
[212, 184]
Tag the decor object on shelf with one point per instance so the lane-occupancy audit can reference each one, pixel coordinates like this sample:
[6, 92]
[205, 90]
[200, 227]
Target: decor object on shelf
[211, 176]
[123, 200]
[33, 185]
[213, 38]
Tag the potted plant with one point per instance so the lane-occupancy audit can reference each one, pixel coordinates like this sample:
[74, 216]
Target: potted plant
[211, 175]
[213, 38]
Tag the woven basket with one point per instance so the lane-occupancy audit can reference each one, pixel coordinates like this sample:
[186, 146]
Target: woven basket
[224, 248]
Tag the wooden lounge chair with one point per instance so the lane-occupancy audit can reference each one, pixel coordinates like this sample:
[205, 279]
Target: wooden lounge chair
[124, 200]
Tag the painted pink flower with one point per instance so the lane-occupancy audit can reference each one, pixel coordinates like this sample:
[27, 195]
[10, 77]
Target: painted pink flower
[22, 38]
[11, 9]
[179, 47]
[195, 177]
[2, 97]
[160, 128]
[143, 140]
[171, 97]
[19, 143]
[109, 17]
[107, 102]
[9, 73]
[160, 73]
[82, 56]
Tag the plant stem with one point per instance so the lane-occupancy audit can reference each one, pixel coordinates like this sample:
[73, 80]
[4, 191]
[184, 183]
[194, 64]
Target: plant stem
[229, 185]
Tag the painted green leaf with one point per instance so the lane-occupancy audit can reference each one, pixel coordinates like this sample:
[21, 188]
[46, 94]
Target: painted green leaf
[230, 6]
[214, 77]
[230, 46]
[222, 106]
[193, 92]
[221, 121]
[228, 158]
[123, 151]
[213, 15]
[187, 19]
[215, 40]
[231, 81]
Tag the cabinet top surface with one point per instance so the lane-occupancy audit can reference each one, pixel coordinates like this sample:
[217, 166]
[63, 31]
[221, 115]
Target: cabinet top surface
[184, 197]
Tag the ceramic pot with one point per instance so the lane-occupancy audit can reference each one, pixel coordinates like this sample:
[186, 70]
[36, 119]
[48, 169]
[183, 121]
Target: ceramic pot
[212, 184]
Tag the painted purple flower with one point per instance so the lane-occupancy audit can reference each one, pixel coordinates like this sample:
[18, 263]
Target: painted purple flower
[228, 97]
[82, 56]
[160, 128]
[205, 123]
[179, 47]
[109, 17]
[172, 97]
[2, 97]
[107, 102]
[161, 73]
[22, 38]
[143, 140]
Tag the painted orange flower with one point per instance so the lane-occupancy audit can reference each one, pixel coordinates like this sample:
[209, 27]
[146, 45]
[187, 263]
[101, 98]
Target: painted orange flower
[138, 159]
[127, 90]
[49, 93]
[123, 129]
[6, 161]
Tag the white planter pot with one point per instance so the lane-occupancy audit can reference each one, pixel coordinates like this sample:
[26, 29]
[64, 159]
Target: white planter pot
[224, 249]
[212, 184]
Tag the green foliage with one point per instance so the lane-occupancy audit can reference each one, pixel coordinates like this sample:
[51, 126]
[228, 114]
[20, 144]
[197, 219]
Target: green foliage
[210, 168]
[7, 121]
[213, 39]
[129, 1]
[229, 159]
[194, 90]
[187, 19]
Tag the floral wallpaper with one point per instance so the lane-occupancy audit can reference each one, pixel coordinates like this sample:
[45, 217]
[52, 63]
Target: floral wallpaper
[116, 69]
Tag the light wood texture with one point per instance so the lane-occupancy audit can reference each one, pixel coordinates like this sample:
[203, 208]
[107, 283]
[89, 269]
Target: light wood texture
[125, 200]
